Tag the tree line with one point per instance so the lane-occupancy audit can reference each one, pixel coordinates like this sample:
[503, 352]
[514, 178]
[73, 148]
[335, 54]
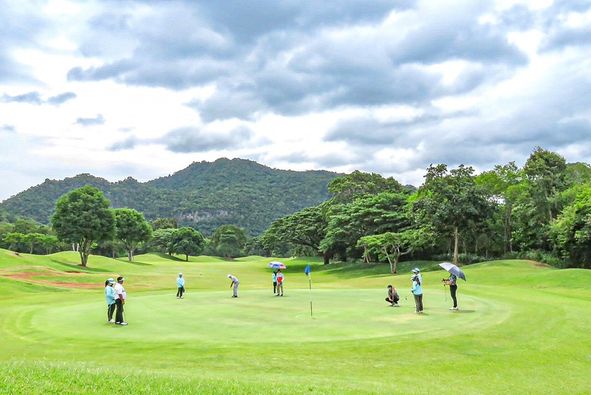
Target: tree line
[541, 211]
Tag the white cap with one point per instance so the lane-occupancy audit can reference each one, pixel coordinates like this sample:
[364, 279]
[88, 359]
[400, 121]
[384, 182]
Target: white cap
[180, 274]
[229, 276]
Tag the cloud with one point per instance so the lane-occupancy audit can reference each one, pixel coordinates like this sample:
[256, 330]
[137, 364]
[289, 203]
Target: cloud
[7, 128]
[29, 97]
[189, 139]
[127, 144]
[98, 120]
[61, 98]
[35, 98]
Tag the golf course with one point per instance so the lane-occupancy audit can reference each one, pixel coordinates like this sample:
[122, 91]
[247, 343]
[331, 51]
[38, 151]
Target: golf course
[522, 327]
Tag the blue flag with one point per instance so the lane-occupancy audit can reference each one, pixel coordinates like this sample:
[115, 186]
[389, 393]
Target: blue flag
[308, 269]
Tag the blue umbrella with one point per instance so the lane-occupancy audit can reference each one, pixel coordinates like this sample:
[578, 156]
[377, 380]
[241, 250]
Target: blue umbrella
[277, 265]
[453, 269]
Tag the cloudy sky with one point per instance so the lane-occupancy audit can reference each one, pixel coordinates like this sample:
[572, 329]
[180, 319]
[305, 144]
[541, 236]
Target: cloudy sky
[144, 88]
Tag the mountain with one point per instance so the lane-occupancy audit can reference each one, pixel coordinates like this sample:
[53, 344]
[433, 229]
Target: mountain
[203, 195]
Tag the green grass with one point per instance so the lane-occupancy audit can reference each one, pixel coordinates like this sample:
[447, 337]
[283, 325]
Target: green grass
[522, 328]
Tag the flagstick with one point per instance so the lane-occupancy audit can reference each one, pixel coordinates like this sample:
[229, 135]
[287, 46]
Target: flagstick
[310, 285]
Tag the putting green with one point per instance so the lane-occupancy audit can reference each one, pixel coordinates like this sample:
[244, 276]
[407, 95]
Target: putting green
[522, 328]
[257, 317]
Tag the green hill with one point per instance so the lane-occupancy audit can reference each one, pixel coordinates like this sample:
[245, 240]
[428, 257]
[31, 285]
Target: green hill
[203, 195]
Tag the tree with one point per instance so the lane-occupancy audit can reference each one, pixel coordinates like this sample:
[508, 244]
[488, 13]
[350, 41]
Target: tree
[366, 215]
[83, 216]
[162, 240]
[396, 244]
[13, 239]
[33, 239]
[451, 201]
[571, 231]
[346, 188]
[164, 223]
[187, 241]
[546, 171]
[228, 241]
[49, 243]
[131, 228]
[305, 228]
[505, 185]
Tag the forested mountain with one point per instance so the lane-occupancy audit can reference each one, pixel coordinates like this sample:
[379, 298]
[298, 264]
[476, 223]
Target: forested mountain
[203, 195]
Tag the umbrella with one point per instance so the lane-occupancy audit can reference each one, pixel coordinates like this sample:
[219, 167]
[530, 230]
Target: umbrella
[453, 269]
[277, 265]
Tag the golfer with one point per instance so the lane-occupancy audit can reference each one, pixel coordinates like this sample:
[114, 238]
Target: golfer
[120, 298]
[417, 291]
[274, 276]
[280, 279]
[452, 281]
[234, 285]
[110, 296]
[180, 283]
[393, 297]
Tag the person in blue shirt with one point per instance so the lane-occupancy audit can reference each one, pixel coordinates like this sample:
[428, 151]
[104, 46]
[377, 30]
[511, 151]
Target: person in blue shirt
[110, 297]
[274, 277]
[417, 291]
[452, 281]
[180, 283]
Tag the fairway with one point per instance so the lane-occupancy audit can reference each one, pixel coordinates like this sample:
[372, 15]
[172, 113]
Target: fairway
[517, 319]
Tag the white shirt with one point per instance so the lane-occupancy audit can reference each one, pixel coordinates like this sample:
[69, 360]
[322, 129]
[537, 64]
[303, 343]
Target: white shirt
[119, 290]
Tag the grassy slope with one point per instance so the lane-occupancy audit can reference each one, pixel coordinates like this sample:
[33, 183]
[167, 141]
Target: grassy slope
[522, 328]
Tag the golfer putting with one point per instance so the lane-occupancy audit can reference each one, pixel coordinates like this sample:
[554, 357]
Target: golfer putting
[234, 285]
[393, 296]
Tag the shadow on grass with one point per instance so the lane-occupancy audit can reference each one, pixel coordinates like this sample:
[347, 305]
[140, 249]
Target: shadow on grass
[76, 267]
[464, 311]
[169, 257]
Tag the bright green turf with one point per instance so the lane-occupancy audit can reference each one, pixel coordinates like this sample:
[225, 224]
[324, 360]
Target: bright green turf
[522, 328]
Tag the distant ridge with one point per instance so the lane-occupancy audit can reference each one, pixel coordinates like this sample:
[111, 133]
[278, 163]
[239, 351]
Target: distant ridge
[203, 195]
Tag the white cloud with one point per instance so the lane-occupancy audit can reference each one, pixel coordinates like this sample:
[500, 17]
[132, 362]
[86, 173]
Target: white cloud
[301, 86]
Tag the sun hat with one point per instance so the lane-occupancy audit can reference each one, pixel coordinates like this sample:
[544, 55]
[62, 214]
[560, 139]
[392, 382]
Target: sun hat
[110, 280]
[416, 270]
[229, 276]
[180, 274]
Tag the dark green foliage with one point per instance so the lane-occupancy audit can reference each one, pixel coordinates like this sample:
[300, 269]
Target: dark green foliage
[571, 232]
[228, 241]
[451, 202]
[187, 241]
[83, 216]
[164, 223]
[204, 195]
[131, 228]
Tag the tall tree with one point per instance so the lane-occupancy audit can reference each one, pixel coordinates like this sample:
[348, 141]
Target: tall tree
[83, 216]
[131, 228]
[162, 240]
[571, 231]
[546, 171]
[450, 201]
[305, 228]
[187, 241]
[368, 214]
[393, 245]
[228, 241]
[346, 188]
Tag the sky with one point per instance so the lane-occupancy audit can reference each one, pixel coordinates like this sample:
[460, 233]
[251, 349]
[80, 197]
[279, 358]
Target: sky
[145, 88]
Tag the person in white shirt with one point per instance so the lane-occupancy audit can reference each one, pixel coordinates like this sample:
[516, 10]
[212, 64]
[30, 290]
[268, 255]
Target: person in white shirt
[120, 298]
[234, 285]
[280, 278]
